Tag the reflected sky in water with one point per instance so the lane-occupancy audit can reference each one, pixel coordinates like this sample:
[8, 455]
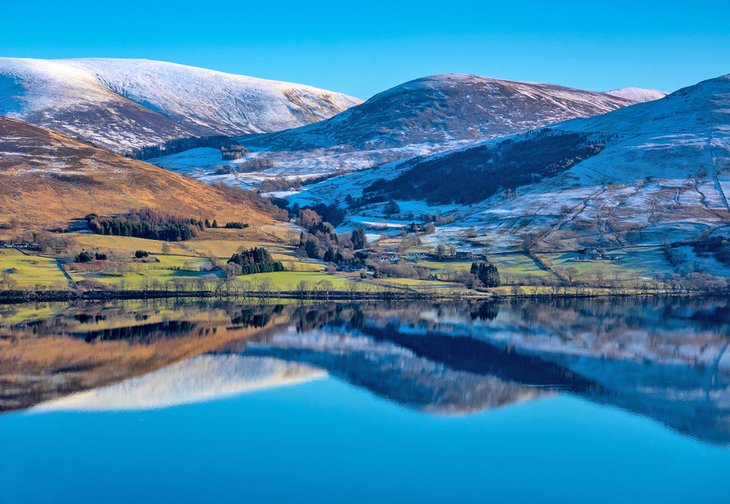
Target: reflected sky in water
[582, 400]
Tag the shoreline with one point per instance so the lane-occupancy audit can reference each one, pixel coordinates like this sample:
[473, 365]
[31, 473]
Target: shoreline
[22, 296]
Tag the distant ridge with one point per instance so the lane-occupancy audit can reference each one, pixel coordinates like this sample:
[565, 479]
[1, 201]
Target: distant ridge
[423, 116]
[638, 94]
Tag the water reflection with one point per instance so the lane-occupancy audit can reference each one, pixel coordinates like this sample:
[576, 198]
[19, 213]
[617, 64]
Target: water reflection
[663, 358]
[194, 380]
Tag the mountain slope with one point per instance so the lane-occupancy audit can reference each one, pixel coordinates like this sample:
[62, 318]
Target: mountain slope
[49, 179]
[124, 104]
[638, 94]
[419, 117]
[652, 172]
[444, 108]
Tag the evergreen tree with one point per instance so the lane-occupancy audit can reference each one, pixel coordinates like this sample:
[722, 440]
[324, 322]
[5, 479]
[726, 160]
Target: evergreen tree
[487, 273]
[359, 240]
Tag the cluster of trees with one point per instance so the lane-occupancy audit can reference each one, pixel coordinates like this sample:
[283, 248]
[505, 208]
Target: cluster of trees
[180, 145]
[717, 246]
[320, 241]
[235, 225]
[51, 243]
[359, 240]
[480, 172]
[427, 228]
[255, 260]
[231, 152]
[486, 272]
[84, 256]
[400, 269]
[283, 183]
[331, 214]
[391, 208]
[280, 184]
[146, 223]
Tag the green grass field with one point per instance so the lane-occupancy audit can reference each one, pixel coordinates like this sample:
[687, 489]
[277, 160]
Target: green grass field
[422, 285]
[29, 271]
[190, 261]
[289, 280]
[446, 271]
[134, 275]
[517, 266]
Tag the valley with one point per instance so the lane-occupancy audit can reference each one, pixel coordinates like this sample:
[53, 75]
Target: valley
[364, 252]
[412, 193]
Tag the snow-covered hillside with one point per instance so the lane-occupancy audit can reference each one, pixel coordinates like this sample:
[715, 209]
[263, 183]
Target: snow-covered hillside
[124, 104]
[420, 117]
[638, 94]
[658, 171]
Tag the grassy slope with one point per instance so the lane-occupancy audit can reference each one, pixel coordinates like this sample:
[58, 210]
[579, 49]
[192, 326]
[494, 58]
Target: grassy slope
[29, 271]
[50, 179]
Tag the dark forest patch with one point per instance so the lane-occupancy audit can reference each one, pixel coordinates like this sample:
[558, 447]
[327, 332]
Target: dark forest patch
[475, 174]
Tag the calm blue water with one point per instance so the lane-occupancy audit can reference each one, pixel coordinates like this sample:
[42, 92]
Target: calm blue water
[326, 441]
[604, 400]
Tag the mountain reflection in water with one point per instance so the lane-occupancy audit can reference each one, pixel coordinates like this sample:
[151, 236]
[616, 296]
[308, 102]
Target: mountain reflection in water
[665, 359]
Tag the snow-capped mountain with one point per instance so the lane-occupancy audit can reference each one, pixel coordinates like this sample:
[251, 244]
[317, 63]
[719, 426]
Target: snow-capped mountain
[445, 108]
[638, 94]
[124, 104]
[423, 116]
[648, 173]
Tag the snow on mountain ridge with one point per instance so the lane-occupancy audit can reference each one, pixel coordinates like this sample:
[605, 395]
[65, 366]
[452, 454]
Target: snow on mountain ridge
[226, 103]
[638, 94]
[449, 107]
[420, 117]
[126, 104]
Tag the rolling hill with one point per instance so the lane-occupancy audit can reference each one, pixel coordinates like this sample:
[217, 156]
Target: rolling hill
[423, 116]
[125, 104]
[49, 179]
[645, 174]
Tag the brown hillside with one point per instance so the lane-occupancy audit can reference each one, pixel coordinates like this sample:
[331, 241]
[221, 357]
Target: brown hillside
[48, 179]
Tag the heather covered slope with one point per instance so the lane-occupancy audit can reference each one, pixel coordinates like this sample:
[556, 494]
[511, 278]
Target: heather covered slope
[49, 179]
[125, 104]
[423, 116]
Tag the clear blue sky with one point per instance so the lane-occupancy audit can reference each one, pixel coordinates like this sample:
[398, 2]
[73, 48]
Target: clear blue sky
[362, 47]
